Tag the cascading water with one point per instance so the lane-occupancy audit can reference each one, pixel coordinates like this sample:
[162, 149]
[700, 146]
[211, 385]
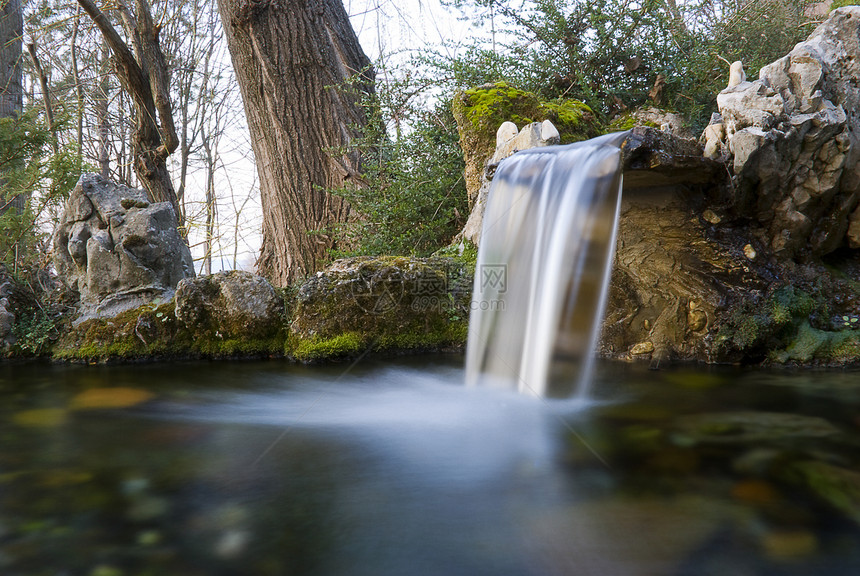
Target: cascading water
[543, 268]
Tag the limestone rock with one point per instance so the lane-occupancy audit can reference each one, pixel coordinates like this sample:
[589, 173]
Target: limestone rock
[7, 320]
[795, 139]
[385, 302]
[653, 157]
[508, 142]
[116, 249]
[233, 304]
[662, 119]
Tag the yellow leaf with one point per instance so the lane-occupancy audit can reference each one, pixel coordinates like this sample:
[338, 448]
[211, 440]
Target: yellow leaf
[106, 398]
[40, 417]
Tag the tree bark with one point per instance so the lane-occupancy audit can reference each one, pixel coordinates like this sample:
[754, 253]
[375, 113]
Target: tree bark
[292, 59]
[11, 80]
[46, 96]
[11, 47]
[145, 79]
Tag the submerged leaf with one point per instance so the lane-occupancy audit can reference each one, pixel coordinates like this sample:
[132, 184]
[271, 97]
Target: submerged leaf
[41, 417]
[105, 398]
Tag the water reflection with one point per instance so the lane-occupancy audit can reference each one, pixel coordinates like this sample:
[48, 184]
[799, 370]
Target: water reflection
[396, 468]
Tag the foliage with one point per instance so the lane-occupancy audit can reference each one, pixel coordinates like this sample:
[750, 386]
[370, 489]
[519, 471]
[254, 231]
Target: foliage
[35, 181]
[610, 53]
[411, 197]
[34, 331]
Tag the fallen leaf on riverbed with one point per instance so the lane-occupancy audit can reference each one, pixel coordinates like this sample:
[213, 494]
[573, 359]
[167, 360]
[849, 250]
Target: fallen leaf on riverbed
[106, 398]
[40, 417]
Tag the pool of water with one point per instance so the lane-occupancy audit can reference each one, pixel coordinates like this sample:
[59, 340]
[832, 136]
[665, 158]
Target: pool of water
[395, 468]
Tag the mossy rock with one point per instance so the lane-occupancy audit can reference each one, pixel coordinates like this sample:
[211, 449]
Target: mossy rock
[837, 487]
[232, 304]
[381, 304]
[153, 332]
[480, 111]
[147, 331]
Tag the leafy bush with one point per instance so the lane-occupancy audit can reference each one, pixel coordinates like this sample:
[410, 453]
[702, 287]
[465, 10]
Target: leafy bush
[412, 196]
[610, 53]
[35, 180]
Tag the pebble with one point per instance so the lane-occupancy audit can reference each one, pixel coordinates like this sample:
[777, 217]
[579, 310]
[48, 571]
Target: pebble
[788, 544]
[642, 348]
[749, 252]
[711, 216]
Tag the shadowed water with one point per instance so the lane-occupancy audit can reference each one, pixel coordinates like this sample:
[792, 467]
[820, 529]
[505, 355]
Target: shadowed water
[396, 468]
[543, 268]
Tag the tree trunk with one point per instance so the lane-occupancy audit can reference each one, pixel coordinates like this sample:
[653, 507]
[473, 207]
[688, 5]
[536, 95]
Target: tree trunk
[101, 109]
[292, 59]
[11, 46]
[11, 80]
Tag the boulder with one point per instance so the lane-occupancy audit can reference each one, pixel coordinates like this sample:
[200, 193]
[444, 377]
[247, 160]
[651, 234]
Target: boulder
[382, 303]
[7, 321]
[794, 136]
[116, 249]
[480, 112]
[232, 304]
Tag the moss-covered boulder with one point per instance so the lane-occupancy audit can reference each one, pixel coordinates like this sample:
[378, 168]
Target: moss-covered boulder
[233, 304]
[382, 303]
[480, 111]
[228, 314]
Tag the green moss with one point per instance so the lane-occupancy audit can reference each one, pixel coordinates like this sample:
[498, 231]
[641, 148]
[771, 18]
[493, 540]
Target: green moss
[464, 252]
[340, 346]
[840, 3]
[488, 107]
[805, 345]
[627, 121]
[151, 332]
[789, 302]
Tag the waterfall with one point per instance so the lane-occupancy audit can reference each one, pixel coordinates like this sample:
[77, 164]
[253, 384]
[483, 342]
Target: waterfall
[543, 268]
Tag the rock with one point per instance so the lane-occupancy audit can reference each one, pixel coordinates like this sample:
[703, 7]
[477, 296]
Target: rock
[653, 158]
[736, 74]
[795, 139]
[642, 348]
[666, 121]
[7, 320]
[752, 428]
[481, 111]
[789, 544]
[364, 303]
[232, 304]
[117, 250]
[833, 485]
[508, 141]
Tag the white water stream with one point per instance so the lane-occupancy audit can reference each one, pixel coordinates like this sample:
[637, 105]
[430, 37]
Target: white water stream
[543, 268]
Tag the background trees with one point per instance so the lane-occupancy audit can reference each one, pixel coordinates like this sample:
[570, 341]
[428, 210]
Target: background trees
[407, 194]
[95, 119]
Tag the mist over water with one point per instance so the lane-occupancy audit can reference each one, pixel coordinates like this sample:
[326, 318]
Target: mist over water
[543, 268]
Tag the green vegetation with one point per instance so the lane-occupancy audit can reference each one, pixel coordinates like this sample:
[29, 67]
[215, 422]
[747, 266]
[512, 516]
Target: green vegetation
[610, 54]
[840, 3]
[410, 196]
[36, 178]
[789, 326]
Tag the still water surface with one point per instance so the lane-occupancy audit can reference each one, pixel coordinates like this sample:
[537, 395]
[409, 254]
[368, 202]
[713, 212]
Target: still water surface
[395, 468]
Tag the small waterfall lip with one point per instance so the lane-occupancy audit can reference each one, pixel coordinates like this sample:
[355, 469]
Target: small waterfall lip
[543, 268]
